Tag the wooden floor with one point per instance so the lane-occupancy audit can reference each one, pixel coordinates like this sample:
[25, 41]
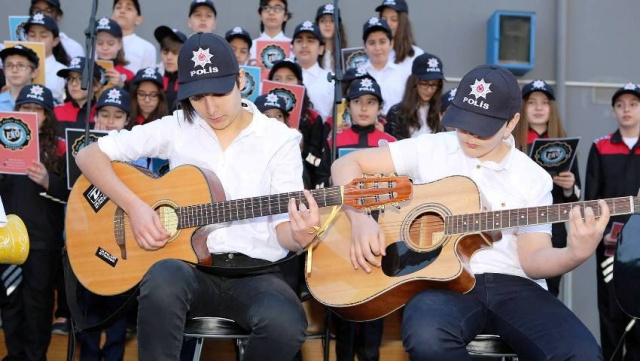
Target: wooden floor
[223, 350]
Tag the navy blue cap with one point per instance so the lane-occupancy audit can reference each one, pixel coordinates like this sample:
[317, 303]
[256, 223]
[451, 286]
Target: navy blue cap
[308, 27]
[116, 97]
[207, 3]
[164, 31]
[363, 86]
[355, 73]
[286, 63]
[271, 101]
[43, 20]
[629, 88]
[36, 94]
[23, 51]
[427, 67]
[326, 9]
[397, 5]
[109, 26]
[207, 65]
[148, 74]
[538, 85]
[136, 4]
[238, 32]
[487, 97]
[373, 24]
[446, 99]
[54, 3]
[77, 65]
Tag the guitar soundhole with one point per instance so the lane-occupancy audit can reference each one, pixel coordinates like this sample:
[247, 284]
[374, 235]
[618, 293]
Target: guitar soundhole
[426, 231]
[169, 219]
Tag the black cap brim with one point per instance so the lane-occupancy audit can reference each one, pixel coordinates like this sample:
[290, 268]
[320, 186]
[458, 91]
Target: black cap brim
[620, 92]
[30, 55]
[471, 122]
[218, 86]
[431, 76]
[239, 36]
[163, 31]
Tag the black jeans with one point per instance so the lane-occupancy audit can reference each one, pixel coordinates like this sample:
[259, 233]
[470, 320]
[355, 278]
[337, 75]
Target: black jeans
[173, 291]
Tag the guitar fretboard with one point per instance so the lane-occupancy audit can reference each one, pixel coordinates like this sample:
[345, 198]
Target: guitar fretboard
[244, 208]
[509, 218]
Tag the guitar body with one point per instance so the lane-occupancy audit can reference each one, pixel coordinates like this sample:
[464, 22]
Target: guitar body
[626, 268]
[418, 257]
[94, 223]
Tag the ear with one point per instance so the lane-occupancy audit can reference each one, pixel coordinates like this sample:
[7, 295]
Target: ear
[242, 83]
[138, 20]
[56, 41]
[35, 73]
[511, 125]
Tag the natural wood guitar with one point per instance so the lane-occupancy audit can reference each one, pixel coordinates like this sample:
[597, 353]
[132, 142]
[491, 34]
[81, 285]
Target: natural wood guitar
[106, 258]
[430, 240]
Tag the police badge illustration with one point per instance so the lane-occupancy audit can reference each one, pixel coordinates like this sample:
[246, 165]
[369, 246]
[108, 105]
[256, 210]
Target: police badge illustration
[19, 146]
[272, 54]
[14, 133]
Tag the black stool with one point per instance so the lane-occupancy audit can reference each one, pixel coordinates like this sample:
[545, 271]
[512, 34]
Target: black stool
[202, 328]
[491, 346]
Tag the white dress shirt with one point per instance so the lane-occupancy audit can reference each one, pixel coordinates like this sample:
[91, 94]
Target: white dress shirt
[319, 90]
[52, 80]
[392, 80]
[139, 52]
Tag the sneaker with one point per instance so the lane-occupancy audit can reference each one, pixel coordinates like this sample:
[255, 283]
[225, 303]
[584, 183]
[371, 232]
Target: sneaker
[60, 326]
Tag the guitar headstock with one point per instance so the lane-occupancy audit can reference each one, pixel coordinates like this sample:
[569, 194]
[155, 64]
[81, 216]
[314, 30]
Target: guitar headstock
[371, 192]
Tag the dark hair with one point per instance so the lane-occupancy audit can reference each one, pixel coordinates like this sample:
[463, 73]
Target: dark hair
[161, 110]
[48, 138]
[60, 54]
[409, 117]
[188, 110]
[403, 41]
[170, 44]
[343, 39]
[286, 11]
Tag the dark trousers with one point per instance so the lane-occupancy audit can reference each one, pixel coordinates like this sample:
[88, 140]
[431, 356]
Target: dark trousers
[358, 338]
[437, 324]
[172, 291]
[97, 309]
[613, 320]
[27, 313]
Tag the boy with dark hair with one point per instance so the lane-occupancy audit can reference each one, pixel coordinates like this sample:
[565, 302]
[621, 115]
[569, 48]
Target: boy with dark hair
[509, 297]
[240, 42]
[273, 20]
[170, 41]
[613, 170]
[139, 52]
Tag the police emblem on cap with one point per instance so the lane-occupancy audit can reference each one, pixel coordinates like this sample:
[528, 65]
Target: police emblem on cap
[36, 93]
[374, 21]
[271, 54]
[307, 25]
[390, 2]
[236, 30]
[630, 86]
[329, 8]
[452, 94]
[113, 96]
[480, 89]
[19, 47]
[201, 57]
[149, 73]
[366, 85]
[539, 84]
[14, 133]
[433, 65]
[38, 19]
[272, 100]
[74, 62]
[103, 23]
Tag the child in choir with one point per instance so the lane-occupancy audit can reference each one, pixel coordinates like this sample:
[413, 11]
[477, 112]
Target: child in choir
[273, 106]
[53, 9]
[240, 42]
[41, 28]
[445, 100]
[324, 21]
[148, 101]
[419, 111]
[109, 46]
[308, 46]
[170, 41]
[396, 13]
[378, 43]
[38, 198]
[273, 21]
[140, 52]
[21, 67]
[202, 16]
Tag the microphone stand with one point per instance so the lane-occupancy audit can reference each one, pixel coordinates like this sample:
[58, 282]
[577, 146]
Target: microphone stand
[337, 78]
[87, 73]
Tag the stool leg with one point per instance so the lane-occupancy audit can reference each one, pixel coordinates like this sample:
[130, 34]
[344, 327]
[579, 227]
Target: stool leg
[198, 350]
[327, 336]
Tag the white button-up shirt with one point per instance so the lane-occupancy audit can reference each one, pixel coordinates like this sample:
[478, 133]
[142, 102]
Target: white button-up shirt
[139, 52]
[392, 80]
[515, 182]
[320, 90]
[264, 159]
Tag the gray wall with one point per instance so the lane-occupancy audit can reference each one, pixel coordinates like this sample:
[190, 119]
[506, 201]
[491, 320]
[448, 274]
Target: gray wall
[602, 52]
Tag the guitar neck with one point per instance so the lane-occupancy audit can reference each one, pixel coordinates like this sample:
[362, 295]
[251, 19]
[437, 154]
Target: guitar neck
[244, 208]
[510, 218]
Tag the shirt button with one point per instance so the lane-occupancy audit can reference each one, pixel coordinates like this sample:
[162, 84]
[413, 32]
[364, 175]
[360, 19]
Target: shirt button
[504, 204]
[478, 166]
[230, 256]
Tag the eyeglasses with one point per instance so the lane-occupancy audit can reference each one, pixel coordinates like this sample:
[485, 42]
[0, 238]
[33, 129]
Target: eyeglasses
[150, 96]
[18, 66]
[74, 79]
[428, 85]
[48, 11]
[276, 9]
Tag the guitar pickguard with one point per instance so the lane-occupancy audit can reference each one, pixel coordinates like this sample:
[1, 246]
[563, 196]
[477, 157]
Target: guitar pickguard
[402, 260]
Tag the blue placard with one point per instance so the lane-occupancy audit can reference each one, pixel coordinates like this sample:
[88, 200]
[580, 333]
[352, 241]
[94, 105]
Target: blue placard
[16, 27]
[253, 82]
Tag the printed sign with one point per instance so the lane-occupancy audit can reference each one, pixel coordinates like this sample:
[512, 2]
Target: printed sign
[270, 52]
[19, 146]
[354, 57]
[253, 79]
[16, 27]
[555, 155]
[76, 141]
[293, 94]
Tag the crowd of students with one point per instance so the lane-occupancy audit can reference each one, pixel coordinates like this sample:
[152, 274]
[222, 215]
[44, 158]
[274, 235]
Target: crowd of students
[394, 104]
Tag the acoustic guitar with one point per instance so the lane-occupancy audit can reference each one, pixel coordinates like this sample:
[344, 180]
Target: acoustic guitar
[429, 243]
[106, 258]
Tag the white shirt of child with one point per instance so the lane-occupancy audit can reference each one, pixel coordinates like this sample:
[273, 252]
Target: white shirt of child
[515, 182]
[392, 80]
[52, 80]
[139, 52]
[320, 90]
[264, 159]
[407, 63]
[72, 47]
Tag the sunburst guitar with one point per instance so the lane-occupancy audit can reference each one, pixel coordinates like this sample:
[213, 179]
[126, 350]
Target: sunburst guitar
[106, 258]
[429, 243]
